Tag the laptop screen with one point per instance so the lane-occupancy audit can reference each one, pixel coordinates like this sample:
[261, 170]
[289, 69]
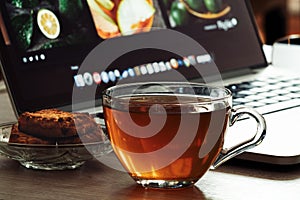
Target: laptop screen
[44, 43]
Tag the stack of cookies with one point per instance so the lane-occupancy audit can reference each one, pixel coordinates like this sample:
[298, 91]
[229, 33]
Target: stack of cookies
[52, 126]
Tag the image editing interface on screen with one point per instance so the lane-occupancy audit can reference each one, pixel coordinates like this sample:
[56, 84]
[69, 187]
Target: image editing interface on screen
[46, 41]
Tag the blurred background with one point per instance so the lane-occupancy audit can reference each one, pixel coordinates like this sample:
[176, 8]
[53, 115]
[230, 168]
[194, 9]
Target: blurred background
[275, 19]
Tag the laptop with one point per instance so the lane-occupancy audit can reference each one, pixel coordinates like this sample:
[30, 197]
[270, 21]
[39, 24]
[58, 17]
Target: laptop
[51, 50]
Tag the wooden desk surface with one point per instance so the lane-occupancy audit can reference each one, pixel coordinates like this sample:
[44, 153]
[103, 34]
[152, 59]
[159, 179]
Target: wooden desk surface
[96, 181]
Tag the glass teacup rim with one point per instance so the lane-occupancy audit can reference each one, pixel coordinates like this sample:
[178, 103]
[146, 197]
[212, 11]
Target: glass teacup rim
[227, 94]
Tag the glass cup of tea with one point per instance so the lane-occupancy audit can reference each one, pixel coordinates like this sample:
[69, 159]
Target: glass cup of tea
[168, 135]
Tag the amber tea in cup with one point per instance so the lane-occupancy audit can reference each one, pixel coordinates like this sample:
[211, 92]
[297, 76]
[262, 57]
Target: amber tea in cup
[167, 135]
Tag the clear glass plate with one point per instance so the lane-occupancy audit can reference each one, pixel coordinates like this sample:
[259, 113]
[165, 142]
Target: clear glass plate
[50, 157]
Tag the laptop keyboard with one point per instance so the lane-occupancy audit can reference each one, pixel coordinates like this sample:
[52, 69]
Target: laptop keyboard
[267, 95]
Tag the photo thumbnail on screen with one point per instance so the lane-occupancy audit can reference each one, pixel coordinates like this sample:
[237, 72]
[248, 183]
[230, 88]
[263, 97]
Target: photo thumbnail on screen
[125, 17]
[185, 12]
[44, 24]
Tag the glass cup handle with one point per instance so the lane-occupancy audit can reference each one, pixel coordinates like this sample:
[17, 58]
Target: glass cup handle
[227, 154]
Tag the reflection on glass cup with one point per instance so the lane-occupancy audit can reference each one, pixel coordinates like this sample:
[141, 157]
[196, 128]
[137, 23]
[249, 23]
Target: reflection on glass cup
[167, 135]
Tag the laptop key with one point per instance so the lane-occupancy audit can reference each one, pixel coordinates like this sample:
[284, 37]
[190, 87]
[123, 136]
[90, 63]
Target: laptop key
[256, 97]
[293, 89]
[281, 98]
[242, 100]
[259, 90]
[246, 92]
[255, 104]
[293, 95]
[268, 94]
[281, 92]
[268, 101]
